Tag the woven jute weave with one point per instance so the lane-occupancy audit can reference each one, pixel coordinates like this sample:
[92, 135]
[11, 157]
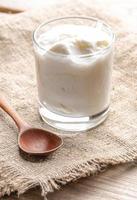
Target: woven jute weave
[113, 142]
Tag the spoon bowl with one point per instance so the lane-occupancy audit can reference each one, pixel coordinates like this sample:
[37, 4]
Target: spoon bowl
[38, 141]
[32, 140]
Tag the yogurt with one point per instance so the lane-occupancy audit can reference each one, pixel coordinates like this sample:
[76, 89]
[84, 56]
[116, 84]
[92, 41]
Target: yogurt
[74, 64]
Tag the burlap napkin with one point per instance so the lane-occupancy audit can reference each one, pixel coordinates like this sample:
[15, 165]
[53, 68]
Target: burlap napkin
[85, 154]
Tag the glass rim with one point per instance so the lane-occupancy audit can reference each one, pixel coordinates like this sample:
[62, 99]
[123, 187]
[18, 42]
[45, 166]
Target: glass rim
[74, 17]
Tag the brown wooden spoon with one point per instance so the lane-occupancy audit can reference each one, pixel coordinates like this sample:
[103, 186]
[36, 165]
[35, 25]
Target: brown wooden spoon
[32, 140]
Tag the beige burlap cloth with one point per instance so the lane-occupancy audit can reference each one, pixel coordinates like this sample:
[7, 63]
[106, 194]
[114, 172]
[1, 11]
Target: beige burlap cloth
[113, 142]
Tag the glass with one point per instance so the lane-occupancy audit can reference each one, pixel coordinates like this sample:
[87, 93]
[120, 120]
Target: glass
[73, 98]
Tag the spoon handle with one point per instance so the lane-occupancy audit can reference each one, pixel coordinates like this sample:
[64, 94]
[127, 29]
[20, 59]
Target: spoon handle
[21, 124]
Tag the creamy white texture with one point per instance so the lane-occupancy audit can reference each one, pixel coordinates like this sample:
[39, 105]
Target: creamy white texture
[74, 39]
[73, 71]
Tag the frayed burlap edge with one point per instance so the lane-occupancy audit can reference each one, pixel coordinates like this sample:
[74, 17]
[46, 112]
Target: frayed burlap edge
[12, 181]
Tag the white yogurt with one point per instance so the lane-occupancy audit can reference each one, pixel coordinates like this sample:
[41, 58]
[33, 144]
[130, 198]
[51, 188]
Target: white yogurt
[74, 67]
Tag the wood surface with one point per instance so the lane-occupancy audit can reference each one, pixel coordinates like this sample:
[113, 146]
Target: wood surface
[117, 183]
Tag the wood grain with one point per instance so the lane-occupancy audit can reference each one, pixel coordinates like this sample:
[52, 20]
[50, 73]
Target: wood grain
[117, 183]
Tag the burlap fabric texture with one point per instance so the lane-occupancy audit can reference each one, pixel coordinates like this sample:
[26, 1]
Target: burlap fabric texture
[113, 142]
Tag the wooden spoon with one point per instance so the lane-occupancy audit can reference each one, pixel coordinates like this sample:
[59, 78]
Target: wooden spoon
[9, 10]
[32, 140]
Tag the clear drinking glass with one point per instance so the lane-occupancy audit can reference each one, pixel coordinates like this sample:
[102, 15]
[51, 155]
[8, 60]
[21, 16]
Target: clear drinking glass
[73, 90]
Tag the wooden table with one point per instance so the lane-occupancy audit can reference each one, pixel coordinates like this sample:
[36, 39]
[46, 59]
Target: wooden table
[117, 183]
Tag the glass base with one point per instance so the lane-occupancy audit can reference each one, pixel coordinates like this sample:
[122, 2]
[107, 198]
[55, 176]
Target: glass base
[74, 124]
